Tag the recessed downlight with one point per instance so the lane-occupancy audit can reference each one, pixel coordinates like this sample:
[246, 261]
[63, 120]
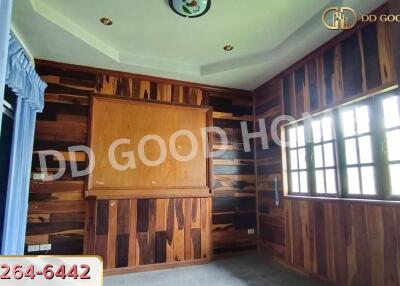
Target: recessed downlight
[228, 48]
[106, 21]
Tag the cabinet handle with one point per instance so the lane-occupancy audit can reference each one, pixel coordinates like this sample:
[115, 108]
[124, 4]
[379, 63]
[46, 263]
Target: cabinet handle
[277, 199]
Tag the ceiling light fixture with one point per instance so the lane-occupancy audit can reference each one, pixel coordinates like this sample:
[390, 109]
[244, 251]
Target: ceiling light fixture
[106, 21]
[190, 8]
[228, 48]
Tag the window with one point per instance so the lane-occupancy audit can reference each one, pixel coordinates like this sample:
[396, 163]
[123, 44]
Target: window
[324, 156]
[391, 123]
[298, 162]
[351, 151]
[355, 123]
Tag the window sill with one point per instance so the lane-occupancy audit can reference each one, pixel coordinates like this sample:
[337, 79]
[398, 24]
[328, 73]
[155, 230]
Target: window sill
[344, 200]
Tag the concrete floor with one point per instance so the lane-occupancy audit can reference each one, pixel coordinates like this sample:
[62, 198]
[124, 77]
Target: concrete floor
[242, 268]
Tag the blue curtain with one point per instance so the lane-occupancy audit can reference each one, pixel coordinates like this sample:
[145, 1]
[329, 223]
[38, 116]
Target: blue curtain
[29, 88]
[5, 19]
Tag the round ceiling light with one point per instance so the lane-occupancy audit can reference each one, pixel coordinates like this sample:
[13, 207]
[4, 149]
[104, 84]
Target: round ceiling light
[106, 21]
[228, 48]
[190, 8]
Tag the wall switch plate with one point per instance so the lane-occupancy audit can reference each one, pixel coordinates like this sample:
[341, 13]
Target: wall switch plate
[33, 248]
[45, 247]
[251, 231]
[38, 176]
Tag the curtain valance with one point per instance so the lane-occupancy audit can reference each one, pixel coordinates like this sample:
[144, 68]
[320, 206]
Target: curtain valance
[22, 78]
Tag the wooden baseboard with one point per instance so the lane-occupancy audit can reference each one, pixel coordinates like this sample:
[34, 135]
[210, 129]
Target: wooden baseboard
[152, 267]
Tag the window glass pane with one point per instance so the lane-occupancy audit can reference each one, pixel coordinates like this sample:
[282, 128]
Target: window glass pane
[300, 136]
[393, 143]
[330, 181]
[365, 149]
[368, 180]
[351, 151]
[320, 182]
[295, 182]
[303, 182]
[328, 151]
[353, 181]
[316, 126]
[394, 178]
[302, 159]
[391, 112]
[327, 128]
[348, 123]
[362, 116]
[292, 137]
[318, 156]
[293, 160]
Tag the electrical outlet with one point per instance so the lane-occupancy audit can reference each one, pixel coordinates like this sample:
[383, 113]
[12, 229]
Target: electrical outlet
[251, 231]
[33, 248]
[38, 176]
[45, 247]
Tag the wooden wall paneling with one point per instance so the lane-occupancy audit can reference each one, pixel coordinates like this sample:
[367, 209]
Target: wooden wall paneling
[394, 8]
[58, 213]
[286, 96]
[164, 92]
[179, 233]
[132, 248]
[161, 231]
[112, 234]
[370, 52]
[338, 84]
[329, 83]
[343, 242]
[144, 89]
[351, 66]
[391, 240]
[195, 249]
[375, 233]
[363, 61]
[187, 204]
[299, 89]
[123, 229]
[170, 230]
[233, 175]
[338, 241]
[386, 56]
[340, 246]
[205, 221]
[271, 218]
[312, 83]
[90, 237]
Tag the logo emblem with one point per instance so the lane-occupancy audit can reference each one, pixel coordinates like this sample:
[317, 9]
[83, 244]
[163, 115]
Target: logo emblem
[339, 18]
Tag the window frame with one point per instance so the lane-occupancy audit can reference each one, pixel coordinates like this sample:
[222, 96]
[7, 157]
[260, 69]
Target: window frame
[298, 170]
[379, 148]
[312, 154]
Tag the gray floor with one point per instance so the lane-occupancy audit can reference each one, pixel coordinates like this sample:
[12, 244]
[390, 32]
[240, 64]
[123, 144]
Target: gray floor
[243, 268]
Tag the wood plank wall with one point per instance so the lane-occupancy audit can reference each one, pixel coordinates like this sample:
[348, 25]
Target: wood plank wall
[131, 233]
[342, 242]
[58, 211]
[234, 201]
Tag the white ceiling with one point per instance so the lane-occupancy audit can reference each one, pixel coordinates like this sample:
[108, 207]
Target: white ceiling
[149, 38]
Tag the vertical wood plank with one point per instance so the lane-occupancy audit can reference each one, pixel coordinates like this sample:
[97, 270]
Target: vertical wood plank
[179, 236]
[145, 89]
[112, 234]
[170, 230]
[187, 203]
[388, 73]
[90, 238]
[132, 259]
